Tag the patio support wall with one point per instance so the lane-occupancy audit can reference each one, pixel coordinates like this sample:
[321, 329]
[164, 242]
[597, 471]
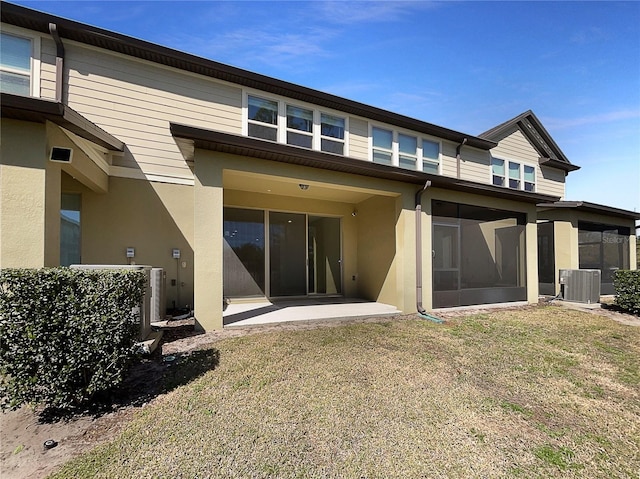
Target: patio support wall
[208, 238]
[22, 194]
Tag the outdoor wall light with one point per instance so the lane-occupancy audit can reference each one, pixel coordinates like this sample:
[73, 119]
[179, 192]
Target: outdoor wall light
[303, 187]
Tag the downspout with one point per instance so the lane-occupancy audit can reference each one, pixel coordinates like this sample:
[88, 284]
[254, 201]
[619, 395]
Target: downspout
[458, 148]
[421, 311]
[53, 29]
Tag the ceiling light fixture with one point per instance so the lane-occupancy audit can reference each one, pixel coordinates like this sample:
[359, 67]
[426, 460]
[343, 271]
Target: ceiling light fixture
[303, 187]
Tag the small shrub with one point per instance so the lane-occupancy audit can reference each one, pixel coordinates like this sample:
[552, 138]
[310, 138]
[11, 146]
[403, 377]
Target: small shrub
[627, 286]
[65, 334]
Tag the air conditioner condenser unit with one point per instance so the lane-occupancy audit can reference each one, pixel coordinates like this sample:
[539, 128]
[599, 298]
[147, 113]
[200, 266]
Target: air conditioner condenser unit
[580, 285]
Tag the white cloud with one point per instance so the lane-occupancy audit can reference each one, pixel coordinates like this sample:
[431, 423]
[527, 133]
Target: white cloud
[351, 12]
[619, 115]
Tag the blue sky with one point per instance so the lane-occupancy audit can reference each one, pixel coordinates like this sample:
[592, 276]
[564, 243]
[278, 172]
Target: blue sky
[467, 66]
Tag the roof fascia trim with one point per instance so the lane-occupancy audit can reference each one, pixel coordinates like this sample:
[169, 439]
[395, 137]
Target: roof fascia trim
[135, 47]
[39, 110]
[545, 144]
[241, 145]
[591, 208]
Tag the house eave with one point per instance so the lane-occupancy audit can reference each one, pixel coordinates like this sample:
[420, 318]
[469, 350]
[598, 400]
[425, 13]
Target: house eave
[38, 110]
[198, 138]
[561, 165]
[39, 21]
[587, 207]
[539, 137]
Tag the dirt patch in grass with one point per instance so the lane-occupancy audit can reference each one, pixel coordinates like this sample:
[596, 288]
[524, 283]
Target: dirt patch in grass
[526, 392]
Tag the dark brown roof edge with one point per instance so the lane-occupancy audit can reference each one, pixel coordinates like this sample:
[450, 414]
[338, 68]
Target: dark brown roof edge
[39, 21]
[521, 121]
[266, 150]
[561, 165]
[38, 110]
[592, 208]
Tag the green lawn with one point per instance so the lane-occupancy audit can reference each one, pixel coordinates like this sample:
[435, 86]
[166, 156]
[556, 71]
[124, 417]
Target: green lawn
[539, 392]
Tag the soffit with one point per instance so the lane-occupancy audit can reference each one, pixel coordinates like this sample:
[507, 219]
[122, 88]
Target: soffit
[189, 138]
[590, 208]
[270, 185]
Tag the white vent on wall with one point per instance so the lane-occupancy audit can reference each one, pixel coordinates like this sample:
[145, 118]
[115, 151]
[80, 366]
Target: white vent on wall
[580, 285]
[61, 154]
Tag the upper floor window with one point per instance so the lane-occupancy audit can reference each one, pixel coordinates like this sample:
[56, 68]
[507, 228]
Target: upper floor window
[430, 157]
[403, 150]
[332, 133]
[407, 151]
[382, 141]
[519, 176]
[15, 64]
[299, 126]
[275, 120]
[262, 118]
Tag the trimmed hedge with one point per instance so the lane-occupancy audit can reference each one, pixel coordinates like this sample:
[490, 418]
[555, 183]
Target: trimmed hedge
[65, 334]
[627, 286]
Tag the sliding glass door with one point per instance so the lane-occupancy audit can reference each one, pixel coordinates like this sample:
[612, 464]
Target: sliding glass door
[280, 254]
[287, 254]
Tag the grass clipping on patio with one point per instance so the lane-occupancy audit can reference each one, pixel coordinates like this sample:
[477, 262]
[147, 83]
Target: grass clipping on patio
[534, 392]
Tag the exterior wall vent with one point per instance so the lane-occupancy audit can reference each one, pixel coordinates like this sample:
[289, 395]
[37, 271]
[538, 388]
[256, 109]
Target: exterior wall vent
[61, 154]
[580, 285]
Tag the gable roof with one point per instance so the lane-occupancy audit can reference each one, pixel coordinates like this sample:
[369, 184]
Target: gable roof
[98, 37]
[538, 136]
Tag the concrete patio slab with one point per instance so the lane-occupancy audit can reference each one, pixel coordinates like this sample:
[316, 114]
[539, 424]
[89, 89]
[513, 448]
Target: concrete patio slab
[266, 312]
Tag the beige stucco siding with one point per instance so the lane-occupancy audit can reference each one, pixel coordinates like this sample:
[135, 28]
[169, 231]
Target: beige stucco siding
[149, 216]
[136, 100]
[22, 194]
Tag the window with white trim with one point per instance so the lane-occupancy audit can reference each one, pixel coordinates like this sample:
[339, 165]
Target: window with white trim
[513, 175]
[382, 141]
[299, 126]
[529, 178]
[262, 117]
[15, 64]
[430, 157]
[406, 151]
[332, 130]
[274, 120]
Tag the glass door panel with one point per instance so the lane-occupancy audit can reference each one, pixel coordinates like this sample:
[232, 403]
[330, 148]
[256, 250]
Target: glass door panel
[243, 252]
[70, 229]
[445, 258]
[325, 268]
[287, 254]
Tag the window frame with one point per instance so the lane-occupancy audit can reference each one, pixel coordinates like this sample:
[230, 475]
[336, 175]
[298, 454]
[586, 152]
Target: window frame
[507, 178]
[430, 160]
[282, 128]
[393, 157]
[34, 60]
[420, 159]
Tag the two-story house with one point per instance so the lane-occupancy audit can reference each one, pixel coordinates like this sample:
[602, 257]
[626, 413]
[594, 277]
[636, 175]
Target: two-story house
[269, 189]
